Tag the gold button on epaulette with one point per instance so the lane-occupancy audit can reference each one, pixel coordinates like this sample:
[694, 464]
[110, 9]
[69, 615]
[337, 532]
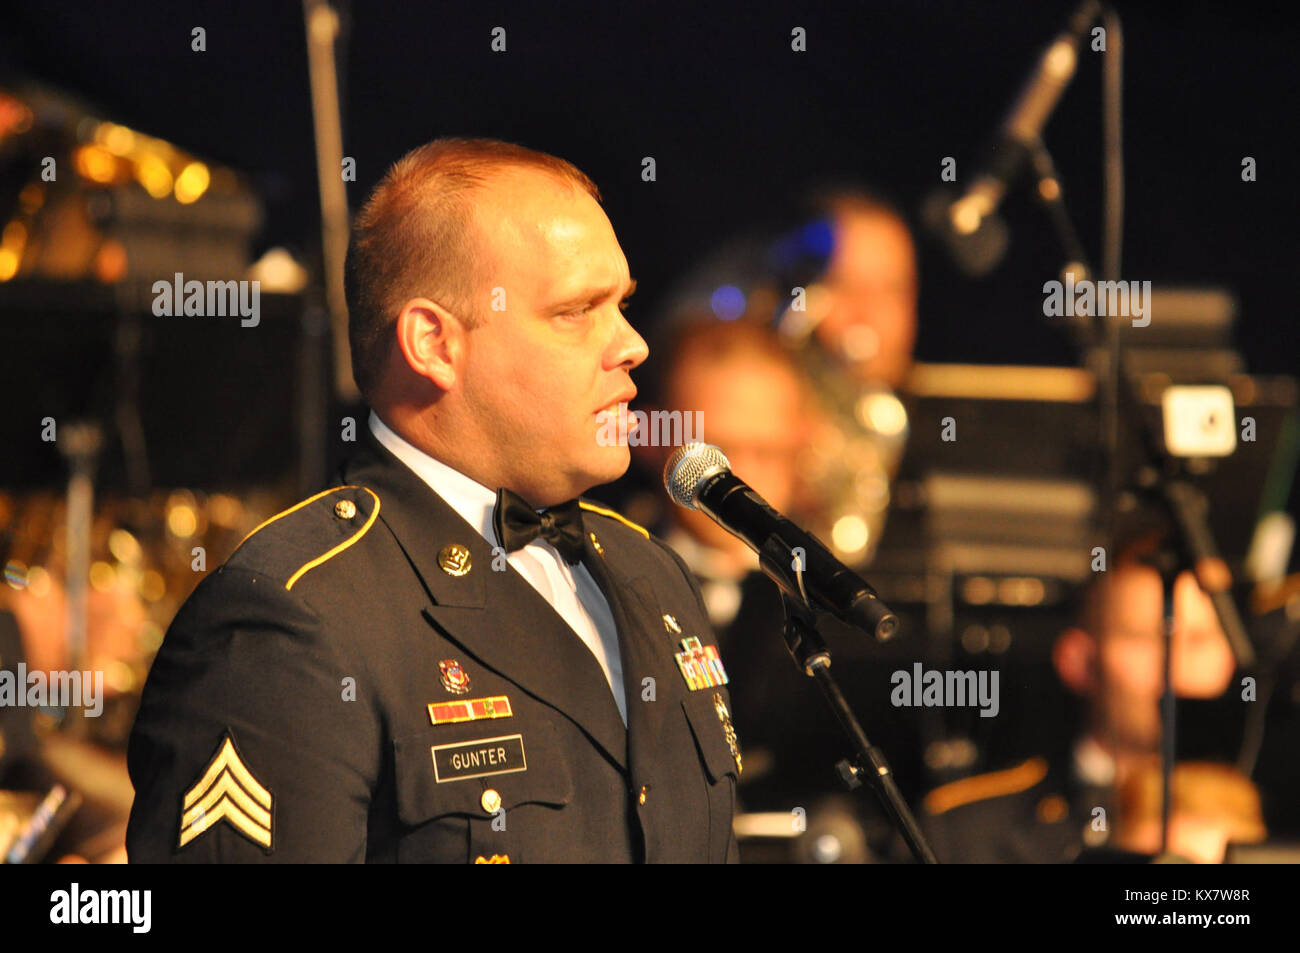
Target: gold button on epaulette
[343, 509]
[491, 800]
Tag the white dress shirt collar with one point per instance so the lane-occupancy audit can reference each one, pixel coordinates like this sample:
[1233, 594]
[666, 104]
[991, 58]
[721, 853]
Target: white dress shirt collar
[472, 500]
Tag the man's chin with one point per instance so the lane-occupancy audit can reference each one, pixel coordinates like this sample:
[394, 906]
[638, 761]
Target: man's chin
[610, 464]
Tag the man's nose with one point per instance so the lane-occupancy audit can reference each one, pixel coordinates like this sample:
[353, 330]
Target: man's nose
[627, 349]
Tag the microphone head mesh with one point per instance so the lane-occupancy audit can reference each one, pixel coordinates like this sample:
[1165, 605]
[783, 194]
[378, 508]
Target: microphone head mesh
[688, 467]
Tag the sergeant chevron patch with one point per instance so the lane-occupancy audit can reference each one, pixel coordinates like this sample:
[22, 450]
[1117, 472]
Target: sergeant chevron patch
[227, 792]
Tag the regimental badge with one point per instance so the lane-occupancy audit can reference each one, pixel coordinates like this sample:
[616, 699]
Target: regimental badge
[728, 729]
[700, 665]
[470, 709]
[455, 559]
[228, 792]
[495, 859]
[454, 678]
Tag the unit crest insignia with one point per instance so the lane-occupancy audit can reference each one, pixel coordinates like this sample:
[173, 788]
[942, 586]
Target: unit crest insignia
[454, 678]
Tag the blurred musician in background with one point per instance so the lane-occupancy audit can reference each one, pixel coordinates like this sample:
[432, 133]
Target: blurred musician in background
[50, 745]
[854, 330]
[867, 316]
[141, 566]
[794, 378]
[754, 401]
[1051, 807]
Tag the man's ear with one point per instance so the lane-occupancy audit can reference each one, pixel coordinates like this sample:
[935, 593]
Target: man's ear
[1075, 657]
[431, 341]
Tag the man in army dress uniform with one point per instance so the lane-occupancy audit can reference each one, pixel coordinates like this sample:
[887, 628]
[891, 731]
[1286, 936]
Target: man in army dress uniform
[419, 665]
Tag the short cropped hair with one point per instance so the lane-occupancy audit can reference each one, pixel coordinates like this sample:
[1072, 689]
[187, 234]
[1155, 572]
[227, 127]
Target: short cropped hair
[416, 237]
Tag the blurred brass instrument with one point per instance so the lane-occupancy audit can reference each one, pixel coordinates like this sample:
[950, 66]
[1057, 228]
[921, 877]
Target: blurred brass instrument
[849, 465]
[147, 555]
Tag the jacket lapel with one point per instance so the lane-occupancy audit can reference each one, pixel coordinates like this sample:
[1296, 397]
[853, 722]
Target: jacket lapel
[497, 617]
[646, 649]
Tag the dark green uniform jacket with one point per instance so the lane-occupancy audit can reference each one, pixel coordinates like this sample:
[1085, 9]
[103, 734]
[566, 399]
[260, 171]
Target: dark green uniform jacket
[358, 683]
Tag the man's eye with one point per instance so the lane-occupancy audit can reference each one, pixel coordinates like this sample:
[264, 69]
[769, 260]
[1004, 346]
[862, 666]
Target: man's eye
[576, 315]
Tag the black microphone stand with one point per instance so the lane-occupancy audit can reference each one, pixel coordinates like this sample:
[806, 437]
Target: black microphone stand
[868, 762]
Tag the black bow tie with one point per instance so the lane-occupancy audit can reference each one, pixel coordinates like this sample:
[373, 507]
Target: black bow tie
[518, 524]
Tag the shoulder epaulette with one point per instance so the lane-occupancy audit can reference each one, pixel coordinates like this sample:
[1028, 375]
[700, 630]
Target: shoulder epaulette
[983, 786]
[592, 507]
[295, 544]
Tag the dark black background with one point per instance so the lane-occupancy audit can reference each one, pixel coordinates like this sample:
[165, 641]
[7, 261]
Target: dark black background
[740, 125]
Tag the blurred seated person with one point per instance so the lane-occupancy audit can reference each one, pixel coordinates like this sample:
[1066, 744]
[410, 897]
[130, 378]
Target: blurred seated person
[754, 403]
[1050, 807]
